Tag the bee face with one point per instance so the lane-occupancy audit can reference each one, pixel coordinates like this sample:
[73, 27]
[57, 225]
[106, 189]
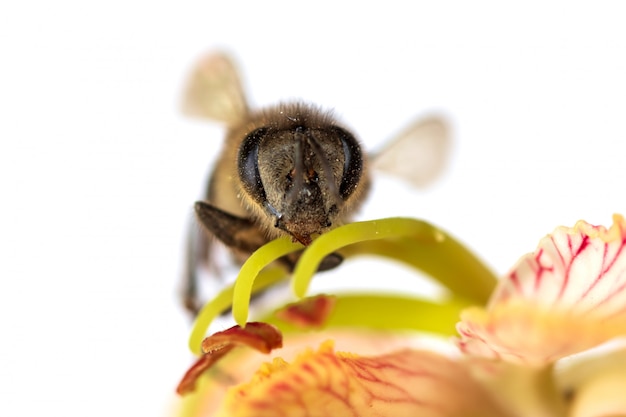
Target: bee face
[290, 169]
[299, 171]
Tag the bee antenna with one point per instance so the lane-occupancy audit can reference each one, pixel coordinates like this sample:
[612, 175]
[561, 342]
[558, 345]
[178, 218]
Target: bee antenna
[328, 172]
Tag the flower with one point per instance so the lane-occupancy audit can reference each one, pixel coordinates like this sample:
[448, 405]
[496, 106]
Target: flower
[566, 297]
[326, 383]
[528, 351]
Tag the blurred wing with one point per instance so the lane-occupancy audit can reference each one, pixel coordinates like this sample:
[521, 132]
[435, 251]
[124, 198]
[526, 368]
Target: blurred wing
[419, 154]
[214, 90]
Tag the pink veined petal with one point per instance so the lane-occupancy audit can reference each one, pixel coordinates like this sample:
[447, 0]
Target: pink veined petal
[566, 297]
[325, 383]
[240, 365]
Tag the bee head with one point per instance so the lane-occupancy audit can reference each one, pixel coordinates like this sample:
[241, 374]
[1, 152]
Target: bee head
[301, 170]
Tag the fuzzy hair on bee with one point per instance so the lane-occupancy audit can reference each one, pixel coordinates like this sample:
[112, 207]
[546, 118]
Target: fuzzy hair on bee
[292, 169]
[289, 169]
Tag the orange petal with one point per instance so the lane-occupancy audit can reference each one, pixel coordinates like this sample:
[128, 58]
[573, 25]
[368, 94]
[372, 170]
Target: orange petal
[325, 383]
[566, 297]
[240, 365]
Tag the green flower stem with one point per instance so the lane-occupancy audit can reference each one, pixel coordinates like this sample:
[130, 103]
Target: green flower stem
[447, 261]
[389, 312]
[262, 257]
[414, 242]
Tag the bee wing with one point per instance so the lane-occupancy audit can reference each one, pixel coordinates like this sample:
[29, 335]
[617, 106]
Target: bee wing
[214, 90]
[418, 154]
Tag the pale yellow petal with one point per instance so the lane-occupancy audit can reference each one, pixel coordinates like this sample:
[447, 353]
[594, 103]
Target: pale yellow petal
[596, 383]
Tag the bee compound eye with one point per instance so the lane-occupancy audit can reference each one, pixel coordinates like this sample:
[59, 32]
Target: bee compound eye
[353, 162]
[248, 165]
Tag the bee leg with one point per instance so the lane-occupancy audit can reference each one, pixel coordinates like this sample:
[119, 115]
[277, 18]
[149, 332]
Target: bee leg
[238, 233]
[242, 234]
[331, 261]
[197, 252]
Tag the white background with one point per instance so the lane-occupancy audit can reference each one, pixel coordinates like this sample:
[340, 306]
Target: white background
[99, 170]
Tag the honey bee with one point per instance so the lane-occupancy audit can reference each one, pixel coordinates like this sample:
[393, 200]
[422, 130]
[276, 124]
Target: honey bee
[290, 169]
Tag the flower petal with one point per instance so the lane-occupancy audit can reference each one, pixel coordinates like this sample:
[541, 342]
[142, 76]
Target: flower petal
[240, 365]
[566, 297]
[325, 383]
